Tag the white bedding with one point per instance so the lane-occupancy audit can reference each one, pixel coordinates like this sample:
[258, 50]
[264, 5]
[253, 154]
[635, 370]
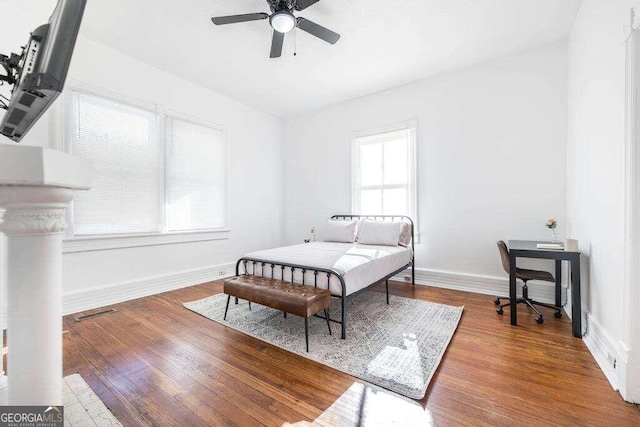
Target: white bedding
[360, 265]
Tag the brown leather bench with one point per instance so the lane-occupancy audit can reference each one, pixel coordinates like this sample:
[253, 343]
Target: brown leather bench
[301, 300]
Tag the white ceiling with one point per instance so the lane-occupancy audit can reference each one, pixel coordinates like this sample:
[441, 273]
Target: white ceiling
[384, 43]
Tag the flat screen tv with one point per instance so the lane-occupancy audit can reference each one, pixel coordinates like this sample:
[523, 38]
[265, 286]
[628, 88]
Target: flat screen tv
[39, 73]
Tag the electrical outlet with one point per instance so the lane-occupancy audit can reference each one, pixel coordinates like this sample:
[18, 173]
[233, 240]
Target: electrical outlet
[407, 279]
[611, 359]
[222, 273]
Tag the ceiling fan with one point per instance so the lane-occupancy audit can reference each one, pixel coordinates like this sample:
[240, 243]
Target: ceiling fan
[282, 21]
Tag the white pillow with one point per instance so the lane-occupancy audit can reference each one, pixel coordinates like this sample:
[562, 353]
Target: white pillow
[405, 235]
[340, 231]
[379, 233]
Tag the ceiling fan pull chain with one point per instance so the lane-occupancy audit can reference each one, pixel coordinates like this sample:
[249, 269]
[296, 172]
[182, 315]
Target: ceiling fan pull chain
[295, 41]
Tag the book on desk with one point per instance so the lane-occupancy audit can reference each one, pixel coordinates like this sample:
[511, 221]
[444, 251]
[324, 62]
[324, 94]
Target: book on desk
[552, 246]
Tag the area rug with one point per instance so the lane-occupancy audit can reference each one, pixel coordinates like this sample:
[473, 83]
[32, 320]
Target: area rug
[397, 346]
[365, 405]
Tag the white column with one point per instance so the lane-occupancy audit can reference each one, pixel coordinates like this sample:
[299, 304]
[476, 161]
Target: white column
[34, 223]
[3, 296]
[36, 185]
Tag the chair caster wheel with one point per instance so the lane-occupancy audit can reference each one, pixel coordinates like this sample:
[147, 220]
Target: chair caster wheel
[540, 320]
[496, 301]
[500, 311]
[557, 314]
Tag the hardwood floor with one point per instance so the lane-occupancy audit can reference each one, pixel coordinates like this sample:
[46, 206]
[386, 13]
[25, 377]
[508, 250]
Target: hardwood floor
[153, 362]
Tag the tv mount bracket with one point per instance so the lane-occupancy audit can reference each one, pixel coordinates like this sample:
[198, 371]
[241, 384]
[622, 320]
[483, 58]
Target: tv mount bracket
[11, 65]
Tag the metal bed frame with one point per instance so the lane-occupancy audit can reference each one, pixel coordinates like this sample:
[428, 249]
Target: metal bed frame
[258, 266]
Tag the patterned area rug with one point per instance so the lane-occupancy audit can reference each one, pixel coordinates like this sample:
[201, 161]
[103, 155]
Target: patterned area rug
[396, 346]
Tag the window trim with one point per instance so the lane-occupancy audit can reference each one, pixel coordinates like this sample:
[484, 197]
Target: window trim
[410, 125]
[119, 241]
[176, 115]
[60, 132]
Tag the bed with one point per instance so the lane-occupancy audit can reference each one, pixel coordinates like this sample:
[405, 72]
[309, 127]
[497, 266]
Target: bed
[346, 269]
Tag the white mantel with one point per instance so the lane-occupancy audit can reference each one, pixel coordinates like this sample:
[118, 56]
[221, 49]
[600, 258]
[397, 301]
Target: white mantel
[37, 166]
[36, 185]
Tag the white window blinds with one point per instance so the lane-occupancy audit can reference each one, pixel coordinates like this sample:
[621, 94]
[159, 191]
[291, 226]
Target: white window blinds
[123, 145]
[383, 173]
[195, 176]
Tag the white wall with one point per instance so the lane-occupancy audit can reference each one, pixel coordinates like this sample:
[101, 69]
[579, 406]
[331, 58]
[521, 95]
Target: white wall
[255, 178]
[595, 183]
[491, 158]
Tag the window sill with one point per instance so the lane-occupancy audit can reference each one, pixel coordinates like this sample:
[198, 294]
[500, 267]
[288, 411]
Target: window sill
[120, 241]
[416, 236]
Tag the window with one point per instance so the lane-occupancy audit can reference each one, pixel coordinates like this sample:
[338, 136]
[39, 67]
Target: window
[384, 175]
[196, 176]
[147, 178]
[126, 154]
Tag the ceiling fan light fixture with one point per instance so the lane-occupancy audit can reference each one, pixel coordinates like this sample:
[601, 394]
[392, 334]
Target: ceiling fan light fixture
[282, 22]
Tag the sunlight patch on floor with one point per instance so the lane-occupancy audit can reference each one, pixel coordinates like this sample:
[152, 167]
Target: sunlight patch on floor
[368, 406]
[399, 362]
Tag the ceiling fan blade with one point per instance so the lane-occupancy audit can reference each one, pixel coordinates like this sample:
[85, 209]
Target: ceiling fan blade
[232, 19]
[303, 4]
[276, 44]
[318, 31]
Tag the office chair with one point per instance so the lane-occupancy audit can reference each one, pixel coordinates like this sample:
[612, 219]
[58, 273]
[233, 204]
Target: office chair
[525, 276]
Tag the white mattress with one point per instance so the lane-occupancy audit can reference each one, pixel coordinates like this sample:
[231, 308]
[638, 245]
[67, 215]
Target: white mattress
[360, 265]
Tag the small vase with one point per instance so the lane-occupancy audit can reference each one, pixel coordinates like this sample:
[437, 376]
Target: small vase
[554, 236]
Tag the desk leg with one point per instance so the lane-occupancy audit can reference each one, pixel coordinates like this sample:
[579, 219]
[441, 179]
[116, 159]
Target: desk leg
[512, 289]
[576, 300]
[558, 283]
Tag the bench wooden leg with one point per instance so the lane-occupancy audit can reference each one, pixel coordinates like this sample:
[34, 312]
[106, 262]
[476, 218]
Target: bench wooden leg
[387, 285]
[326, 316]
[227, 307]
[306, 332]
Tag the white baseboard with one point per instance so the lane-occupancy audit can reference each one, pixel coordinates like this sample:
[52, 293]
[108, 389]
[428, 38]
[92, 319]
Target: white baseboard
[610, 356]
[627, 369]
[604, 350]
[489, 285]
[99, 297]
